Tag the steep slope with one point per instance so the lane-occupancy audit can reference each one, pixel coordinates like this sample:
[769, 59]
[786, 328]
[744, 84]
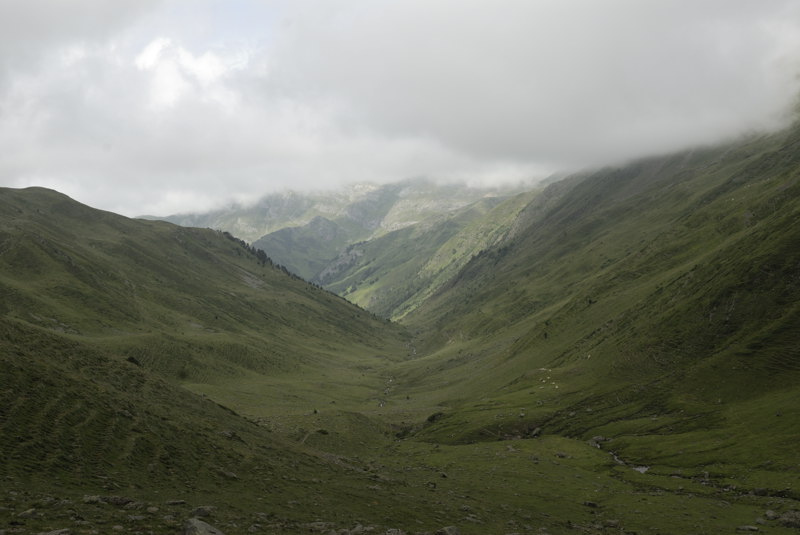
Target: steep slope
[106, 326]
[361, 210]
[390, 275]
[310, 233]
[656, 303]
[620, 355]
[307, 249]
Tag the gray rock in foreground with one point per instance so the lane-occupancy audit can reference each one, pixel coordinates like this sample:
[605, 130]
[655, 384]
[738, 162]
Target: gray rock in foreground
[195, 526]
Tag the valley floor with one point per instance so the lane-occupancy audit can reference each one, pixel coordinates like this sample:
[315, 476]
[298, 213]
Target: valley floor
[543, 485]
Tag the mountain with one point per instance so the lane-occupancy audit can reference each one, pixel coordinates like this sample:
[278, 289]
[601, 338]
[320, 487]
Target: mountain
[392, 274]
[306, 232]
[110, 330]
[656, 304]
[307, 249]
[363, 210]
[615, 353]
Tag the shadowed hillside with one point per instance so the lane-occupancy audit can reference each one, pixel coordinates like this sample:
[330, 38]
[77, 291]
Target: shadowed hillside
[617, 353]
[106, 326]
[655, 303]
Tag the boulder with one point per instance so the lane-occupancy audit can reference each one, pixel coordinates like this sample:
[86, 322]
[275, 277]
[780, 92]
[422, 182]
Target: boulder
[203, 511]
[195, 526]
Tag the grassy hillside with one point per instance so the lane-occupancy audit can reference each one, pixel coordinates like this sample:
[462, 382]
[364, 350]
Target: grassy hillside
[617, 353]
[307, 249]
[319, 236]
[107, 326]
[392, 274]
[362, 211]
[655, 304]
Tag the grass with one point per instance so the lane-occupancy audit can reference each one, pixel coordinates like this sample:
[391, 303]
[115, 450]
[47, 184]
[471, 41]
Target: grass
[622, 359]
[394, 273]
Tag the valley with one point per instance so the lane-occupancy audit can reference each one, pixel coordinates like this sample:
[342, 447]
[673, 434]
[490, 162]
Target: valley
[617, 351]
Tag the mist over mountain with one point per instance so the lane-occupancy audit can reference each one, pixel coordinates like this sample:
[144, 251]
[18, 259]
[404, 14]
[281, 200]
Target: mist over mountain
[614, 351]
[307, 231]
[434, 268]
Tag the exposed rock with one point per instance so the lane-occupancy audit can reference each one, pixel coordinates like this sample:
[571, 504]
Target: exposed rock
[747, 528]
[176, 502]
[448, 530]
[771, 515]
[27, 514]
[590, 504]
[318, 526]
[203, 510]
[790, 519]
[195, 526]
[395, 531]
[227, 474]
[231, 435]
[116, 500]
[58, 532]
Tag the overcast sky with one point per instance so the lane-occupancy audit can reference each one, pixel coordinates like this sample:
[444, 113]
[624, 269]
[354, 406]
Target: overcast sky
[158, 107]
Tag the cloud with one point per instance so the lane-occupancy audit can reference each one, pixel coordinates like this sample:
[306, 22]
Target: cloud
[562, 82]
[31, 29]
[159, 107]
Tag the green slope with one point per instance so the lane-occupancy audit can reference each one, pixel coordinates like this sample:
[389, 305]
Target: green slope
[307, 249]
[619, 356]
[392, 274]
[319, 235]
[361, 210]
[656, 303]
[108, 324]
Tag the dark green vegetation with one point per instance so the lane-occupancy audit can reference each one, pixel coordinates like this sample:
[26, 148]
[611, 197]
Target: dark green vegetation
[307, 249]
[618, 353]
